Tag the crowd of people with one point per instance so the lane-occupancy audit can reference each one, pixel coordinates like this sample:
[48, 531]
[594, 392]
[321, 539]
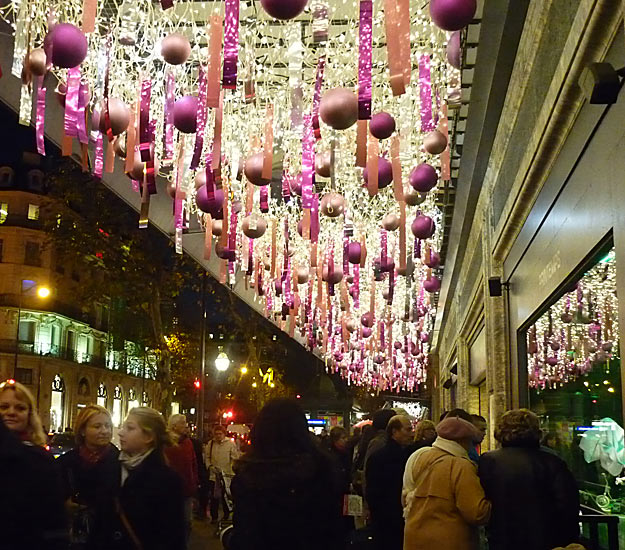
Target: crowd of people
[427, 488]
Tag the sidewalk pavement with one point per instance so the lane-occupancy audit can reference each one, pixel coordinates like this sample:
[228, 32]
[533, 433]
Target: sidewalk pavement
[203, 537]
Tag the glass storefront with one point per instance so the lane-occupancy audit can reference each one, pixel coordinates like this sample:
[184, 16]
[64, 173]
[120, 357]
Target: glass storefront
[574, 376]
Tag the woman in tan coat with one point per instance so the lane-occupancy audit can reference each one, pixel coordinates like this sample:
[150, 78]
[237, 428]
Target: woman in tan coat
[448, 502]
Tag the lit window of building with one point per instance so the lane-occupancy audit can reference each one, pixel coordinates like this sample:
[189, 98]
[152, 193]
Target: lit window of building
[33, 212]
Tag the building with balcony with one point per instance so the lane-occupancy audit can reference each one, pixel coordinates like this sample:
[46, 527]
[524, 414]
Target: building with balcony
[60, 349]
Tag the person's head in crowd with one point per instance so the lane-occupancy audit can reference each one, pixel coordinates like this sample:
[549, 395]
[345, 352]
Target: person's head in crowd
[399, 429]
[219, 433]
[550, 439]
[480, 423]
[19, 413]
[357, 432]
[459, 413]
[443, 416]
[144, 430]
[281, 430]
[518, 428]
[455, 428]
[338, 438]
[381, 418]
[178, 426]
[93, 427]
[425, 432]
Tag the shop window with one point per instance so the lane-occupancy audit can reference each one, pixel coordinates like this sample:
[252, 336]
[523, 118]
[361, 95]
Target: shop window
[32, 254]
[574, 371]
[132, 399]
[4, 211]
[27, 332]
[147, 402]
[57, 404]
[33, 212]
[117, 406]
[102, 395]
[6, 176]
[35, 180]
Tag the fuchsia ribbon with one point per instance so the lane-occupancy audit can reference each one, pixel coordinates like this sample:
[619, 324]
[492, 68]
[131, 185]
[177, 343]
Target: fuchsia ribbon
[144, 121]
[314, 219]
[320, 23]
[286, 187]
[40, 116]
[81, 124]
[168, 114]
[201, 121]
[308, 161]
[264, 199]
[99, 157]
[425, 93]
[364, 60]
[317, 96]
[231, 44]
[71, 102]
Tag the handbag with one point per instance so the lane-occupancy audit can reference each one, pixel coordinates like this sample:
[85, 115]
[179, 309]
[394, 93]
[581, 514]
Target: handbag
[352, 505]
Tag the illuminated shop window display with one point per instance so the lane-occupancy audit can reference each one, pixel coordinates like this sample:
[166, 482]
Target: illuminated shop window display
[574, 377]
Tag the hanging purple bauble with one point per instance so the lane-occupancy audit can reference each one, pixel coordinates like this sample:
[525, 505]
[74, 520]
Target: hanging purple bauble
[254, 169]
[332, 205]
[335, 276]
[432, 284]
[452, 15]
[385, 173]
[398, 345]
[284, 9]
[339, 108]
[277, 285]
[435, 142]
[378, 359]
[552, 361]
[65, 45]
[413, 197]
[185, 114]
[423, 178]
[119, 116]
[254, 226]
[213, 207]
[454, 51]
[175, 49]
[296, 186]
[367, 319]
[217, 227]
[433, 261]
[354, 253]
[382, 125]
[323, 164]
[200, 179]
[366, 332]
[423, 227]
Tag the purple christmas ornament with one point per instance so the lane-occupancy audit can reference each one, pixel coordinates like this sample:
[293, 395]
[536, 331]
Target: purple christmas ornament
[452, 15]
[423, 178]
[423, 227]
[66, 45]
[385, 173]
[382, 125]
[185, 114]
[205, 205]
[284, 9]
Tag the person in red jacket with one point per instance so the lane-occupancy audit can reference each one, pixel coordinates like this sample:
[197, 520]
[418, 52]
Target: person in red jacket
[181, 459]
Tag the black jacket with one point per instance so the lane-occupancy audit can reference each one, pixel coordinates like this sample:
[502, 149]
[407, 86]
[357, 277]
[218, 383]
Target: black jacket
[535, 499]
[384, 480]
[94, 486]
[152, 500]
[286, 503]
[32, 514]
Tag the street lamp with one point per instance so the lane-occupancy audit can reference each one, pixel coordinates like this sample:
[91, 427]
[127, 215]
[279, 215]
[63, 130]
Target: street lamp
[43, 292]
[222, 362]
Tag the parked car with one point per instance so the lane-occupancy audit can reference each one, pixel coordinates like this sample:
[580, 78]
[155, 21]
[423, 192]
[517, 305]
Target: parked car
[61, 443]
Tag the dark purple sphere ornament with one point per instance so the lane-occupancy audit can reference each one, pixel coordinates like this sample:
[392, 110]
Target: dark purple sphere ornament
[284, 9]
[185, 114]
[423, 178]
[66, 45]
[382, 125]
[452, 15]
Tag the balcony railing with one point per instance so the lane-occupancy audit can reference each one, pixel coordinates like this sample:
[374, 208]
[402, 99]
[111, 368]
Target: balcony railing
[15, 220]
[58, 352]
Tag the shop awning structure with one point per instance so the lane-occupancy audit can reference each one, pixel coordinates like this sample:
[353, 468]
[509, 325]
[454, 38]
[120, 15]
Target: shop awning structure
[367, 292]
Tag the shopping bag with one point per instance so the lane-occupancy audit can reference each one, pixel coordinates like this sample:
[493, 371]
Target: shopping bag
[352, 505]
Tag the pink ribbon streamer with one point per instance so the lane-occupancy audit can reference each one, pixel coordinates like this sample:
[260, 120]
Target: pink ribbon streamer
[231, 44]
[264, 199]
[314, 219]
[99, 157]
[364, 60]
[168, 134]
[81, 124]
[308, 161]
[317, 96]
[425, 94]
[145, 135]
[40, 116]
[71, 102]
[201, 121]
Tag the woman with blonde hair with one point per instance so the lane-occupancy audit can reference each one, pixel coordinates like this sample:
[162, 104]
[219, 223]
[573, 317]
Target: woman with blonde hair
[150, 506]
[19, 413]
[90, 476]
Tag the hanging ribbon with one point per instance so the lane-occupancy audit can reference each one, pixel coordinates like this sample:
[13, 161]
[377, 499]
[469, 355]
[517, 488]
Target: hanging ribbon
[168, 116]
[403, 21]
[398, 186]
[361, 143]
[144, 121]
[308, 161]
[208, 236]
[320, 22]
[264, 199]
[365, 35]
[231, 45]
[314, 219]
[71, 102]
[445, 155]
[219, 115]
[268, 145]
[40, 116]
[178, 198]
[372, 166]
[99, 157]
[201, 120]
[317, 96]
[425, 93]
[393, 47]
[81, 122]
[89, 9]
[214, 61]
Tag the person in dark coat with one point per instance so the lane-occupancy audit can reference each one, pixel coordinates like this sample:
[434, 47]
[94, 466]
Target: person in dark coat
[534, 495]
[151, 501]
[341, 454]
[31, 499]
[203, 479]
[285, 492]
[384, 479]
[90, 479]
